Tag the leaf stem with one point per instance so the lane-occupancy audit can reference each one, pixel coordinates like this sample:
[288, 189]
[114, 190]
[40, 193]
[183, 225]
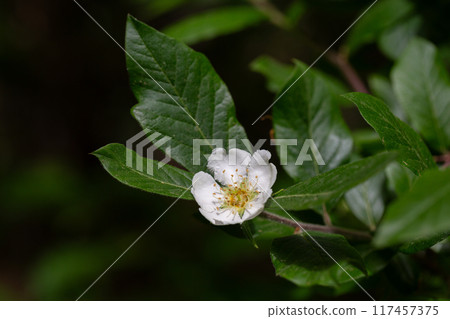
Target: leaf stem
[349, 233]
[326, 216]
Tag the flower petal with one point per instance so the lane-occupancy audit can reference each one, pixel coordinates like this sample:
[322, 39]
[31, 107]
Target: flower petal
[204, 188]
[228, 169]
[232, 168]
[209, 215]
[261, 173]
[227, 217]
[223, 217]
[253, 210]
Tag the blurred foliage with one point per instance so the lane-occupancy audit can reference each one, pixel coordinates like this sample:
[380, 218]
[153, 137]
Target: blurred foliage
[384, 15]
[212, 24]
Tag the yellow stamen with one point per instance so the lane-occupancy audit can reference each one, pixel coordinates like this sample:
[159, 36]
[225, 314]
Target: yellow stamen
[238, 196]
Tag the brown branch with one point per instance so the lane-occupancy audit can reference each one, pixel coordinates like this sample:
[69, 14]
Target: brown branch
[349, 233]
[444, 159]
[275, 16]
[337, 58]
[340, 60]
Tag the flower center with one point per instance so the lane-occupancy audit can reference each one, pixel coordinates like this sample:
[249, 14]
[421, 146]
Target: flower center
[237, 196]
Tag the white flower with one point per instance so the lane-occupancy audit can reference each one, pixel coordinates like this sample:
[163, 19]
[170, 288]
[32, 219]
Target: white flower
[241, 185]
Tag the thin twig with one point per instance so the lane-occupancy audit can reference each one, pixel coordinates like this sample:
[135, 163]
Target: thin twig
[275, 16]
[326, 216]
[349, 233]
[340, 60]
[444, 159]
[337, 58]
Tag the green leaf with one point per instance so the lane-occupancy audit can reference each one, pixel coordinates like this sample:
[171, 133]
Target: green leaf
[394, 40]
[403, 272]
[395, 134]
[442, 247]
[366, 200]
[299, 259]
[264, 229]
[193, 92]
[335, 86]
[381, 16]
[400, 179]
[167, 180]
[423, 88]
[420, 213]
[275, 72]
[295, 12]
[278, 73]
[375, 259]
[382, 88]
[423, 243]
[319, 189]
[308, 111]
[367, 141]
[213, 23]
[156, 8]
